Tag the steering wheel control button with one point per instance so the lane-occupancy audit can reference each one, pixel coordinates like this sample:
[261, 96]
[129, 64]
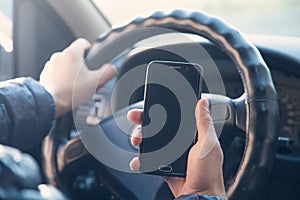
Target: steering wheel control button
[165, 168]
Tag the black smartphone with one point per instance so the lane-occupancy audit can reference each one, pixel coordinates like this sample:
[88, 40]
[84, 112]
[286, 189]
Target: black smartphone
[172, 90]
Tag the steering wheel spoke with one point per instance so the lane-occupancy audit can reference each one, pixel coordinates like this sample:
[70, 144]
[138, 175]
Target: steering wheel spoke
[227, 112]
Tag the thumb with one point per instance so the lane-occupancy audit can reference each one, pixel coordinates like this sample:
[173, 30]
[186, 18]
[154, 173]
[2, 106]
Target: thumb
[207, 137]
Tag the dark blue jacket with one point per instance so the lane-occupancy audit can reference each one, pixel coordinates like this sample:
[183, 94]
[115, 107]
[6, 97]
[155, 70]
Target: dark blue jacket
[26, 113]
[26, 116]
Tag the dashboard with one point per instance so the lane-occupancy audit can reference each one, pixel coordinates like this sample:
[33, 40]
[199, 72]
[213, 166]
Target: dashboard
[288, 87]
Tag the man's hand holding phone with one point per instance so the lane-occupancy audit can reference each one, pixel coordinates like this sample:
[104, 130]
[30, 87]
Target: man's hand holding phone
[204, 173]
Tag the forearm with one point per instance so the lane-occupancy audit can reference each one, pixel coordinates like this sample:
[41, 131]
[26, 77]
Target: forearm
[26, 112]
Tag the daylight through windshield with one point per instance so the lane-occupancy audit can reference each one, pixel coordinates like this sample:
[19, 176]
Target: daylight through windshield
[277, 17]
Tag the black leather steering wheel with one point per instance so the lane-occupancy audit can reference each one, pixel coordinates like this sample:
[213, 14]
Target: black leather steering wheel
[255, 112]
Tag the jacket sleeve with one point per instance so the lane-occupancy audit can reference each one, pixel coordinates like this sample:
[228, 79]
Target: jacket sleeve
[26, 113]
[198, 197]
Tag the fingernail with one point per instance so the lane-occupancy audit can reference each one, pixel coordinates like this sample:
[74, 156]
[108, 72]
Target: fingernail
[128, 113]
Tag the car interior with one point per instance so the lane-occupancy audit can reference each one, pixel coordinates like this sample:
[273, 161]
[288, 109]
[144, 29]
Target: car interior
[258, 95]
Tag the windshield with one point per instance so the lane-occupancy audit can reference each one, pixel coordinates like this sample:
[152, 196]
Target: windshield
[6, 24]
[276, 17]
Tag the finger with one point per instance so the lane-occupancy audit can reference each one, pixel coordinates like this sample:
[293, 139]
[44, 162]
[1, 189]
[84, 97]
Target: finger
[135, 164]
[135, 116]
[54, 56]
[80, 43]
[207, 137]
[79, 46]
[203, 118]
[136, 137]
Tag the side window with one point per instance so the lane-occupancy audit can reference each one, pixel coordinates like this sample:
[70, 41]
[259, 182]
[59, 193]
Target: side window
[6, 41]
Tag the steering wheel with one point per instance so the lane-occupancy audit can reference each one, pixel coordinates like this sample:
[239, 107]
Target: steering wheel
[255, 112]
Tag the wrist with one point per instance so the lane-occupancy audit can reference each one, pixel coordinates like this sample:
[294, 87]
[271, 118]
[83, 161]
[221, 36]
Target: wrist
[61, 106]
[217, 191]
[198, 197]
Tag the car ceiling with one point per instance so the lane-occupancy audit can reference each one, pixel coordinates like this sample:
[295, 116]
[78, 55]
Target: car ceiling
[89, 22]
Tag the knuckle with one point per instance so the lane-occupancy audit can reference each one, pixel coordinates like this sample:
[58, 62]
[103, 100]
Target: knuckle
[54, 56]
[83, 42]
[69, 54]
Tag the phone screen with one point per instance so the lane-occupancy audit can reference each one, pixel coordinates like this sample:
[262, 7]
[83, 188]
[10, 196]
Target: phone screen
[172, 90]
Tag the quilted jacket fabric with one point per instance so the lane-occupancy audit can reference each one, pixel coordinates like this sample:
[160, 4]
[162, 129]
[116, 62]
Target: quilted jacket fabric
[26, 113]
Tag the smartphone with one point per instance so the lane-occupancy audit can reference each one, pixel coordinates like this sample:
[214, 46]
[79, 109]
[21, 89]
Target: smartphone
[172, 90]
